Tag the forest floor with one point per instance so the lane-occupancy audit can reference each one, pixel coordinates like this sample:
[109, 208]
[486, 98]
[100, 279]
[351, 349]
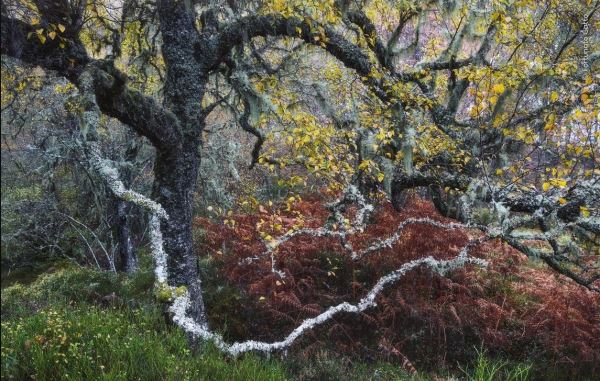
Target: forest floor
[514, 320]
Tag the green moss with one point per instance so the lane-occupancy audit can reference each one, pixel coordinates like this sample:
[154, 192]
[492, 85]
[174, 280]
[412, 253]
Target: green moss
[73, 285]
[180, 291]
[163, 293]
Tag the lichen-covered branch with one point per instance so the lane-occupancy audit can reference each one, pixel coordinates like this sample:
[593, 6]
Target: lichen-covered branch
[88, 125]
[442, 267]
[344, 229]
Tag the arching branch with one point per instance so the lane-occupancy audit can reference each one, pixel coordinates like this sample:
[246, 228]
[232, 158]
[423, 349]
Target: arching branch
[249, 27]
[140, 112]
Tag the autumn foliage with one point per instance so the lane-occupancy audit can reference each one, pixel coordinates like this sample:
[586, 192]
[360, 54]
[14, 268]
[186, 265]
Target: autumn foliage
[514, 308]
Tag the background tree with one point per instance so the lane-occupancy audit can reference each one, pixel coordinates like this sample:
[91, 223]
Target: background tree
[54, 205]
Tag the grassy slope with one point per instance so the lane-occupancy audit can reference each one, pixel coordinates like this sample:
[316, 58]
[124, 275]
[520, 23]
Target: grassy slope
[60, 327]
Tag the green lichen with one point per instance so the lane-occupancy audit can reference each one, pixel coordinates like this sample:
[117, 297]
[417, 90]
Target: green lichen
[180, 291]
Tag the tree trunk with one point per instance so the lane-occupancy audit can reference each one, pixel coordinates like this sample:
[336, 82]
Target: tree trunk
[175, 184]
[126, 258]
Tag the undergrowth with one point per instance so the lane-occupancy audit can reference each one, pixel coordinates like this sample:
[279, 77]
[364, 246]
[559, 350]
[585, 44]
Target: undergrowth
[513, 321]
[58, 328]
[515, 310]
[114, 344]
[82, 324]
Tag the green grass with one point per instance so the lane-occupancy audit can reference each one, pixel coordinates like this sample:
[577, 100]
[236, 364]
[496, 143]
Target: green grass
[115, 344]
[60, 328]
[326, 365]
[486, 369]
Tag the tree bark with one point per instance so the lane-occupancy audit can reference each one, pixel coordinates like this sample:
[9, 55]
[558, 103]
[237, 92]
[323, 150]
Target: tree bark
[175, 185]
[125, 258]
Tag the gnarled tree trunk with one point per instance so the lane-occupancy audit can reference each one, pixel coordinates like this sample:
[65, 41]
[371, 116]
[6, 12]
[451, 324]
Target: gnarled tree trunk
[175, 184]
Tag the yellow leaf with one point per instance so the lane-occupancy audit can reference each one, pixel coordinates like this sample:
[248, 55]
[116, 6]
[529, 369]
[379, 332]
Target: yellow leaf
[585, 98]
[562, 201]
[380, 176]
[42, 38]
[499, 171]
[545, 186]
[498, 88]
[561, 183]
[554, 96]
[52, 35]
[61, 27]
[585, 212]
[550, 122]
[35, 21]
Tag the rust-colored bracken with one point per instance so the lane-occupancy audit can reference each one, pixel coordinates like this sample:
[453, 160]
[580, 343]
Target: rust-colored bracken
[515, 307]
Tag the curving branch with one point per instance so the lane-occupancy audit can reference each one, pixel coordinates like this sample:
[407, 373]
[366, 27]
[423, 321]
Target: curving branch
[140, 112]
[371, 36]
[388, 242]
[249, 27]
[254, 103]
[358, 224]
[18, 41]
[554, 264]
[181, 298]
[513, 208]
[442, 267]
